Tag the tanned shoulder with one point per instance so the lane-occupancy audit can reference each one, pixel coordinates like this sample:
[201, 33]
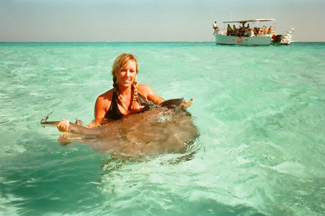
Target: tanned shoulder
[143, 89]
[106, 96]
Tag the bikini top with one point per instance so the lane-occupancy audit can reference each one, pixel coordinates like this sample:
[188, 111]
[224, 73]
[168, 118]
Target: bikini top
[115, 113]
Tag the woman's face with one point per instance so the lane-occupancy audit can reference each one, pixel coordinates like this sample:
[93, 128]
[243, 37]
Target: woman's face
[126, 74]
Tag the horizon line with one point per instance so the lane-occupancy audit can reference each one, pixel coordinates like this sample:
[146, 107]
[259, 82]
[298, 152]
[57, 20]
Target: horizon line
[134, 41]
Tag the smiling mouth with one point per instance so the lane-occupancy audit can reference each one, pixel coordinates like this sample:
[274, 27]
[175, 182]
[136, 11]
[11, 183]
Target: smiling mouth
[127, 80]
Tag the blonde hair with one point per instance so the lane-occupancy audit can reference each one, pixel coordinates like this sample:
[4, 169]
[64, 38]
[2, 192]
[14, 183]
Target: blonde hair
[119, 62]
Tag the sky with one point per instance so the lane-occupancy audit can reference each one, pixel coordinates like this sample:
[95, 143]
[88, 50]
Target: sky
[150, 20]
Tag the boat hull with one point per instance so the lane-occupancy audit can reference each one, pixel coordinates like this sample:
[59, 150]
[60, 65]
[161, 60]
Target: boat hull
[245, 41]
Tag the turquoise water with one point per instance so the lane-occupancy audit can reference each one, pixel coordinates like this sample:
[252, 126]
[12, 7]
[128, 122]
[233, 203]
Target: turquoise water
[260, 112]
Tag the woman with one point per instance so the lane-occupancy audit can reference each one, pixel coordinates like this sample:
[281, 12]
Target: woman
[125, 98]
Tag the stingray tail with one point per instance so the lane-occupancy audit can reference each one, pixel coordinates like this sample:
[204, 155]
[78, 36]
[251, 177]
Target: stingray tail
[46, 118]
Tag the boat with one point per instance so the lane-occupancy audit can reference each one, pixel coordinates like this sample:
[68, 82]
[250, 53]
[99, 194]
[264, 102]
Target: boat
[251, 36]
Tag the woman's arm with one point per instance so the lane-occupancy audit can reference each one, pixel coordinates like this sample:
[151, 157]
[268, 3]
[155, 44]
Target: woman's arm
[149, 93]
[101, 106]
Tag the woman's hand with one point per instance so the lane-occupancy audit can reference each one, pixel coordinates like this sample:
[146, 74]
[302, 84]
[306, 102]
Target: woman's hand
[187, 104]
[63, 126]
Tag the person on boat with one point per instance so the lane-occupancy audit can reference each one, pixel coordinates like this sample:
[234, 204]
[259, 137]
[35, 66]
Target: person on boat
[247, 29]
[270, 30]
[234, 30]
[250, 32]
[215, 27]
[125, 98]
[255, 31]
[260, 32]
[242, 31]
[229, 30]
[264, 30]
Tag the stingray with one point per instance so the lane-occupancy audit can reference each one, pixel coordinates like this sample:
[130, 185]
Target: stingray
[166, 128]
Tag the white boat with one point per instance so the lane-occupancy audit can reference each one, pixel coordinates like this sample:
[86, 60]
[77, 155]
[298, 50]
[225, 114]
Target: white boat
[244, 37]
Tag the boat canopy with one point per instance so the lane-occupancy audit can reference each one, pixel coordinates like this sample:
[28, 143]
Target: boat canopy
[253, 20]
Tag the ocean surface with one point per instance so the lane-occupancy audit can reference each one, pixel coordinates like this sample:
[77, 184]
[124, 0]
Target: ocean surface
[260, 112]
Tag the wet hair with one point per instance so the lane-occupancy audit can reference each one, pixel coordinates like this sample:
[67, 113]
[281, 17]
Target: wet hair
[119, 62]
